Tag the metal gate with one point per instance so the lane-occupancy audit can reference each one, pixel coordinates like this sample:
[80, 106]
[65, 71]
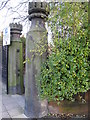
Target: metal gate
[5, 66]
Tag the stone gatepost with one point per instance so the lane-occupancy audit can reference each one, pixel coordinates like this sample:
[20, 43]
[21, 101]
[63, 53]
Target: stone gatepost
[36, 53]
[15, 61]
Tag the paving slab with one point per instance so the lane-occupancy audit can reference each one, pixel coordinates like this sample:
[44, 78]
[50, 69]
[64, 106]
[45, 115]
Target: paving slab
[16, 111]
[20, 116]
[3, 108]
[20, 100]
[8, 101]
[11, 106]
[5, 115]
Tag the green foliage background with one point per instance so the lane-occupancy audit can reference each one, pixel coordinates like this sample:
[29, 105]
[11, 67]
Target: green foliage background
[66, 72]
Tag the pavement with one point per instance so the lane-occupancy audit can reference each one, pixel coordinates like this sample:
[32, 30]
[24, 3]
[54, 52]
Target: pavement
[12, 105]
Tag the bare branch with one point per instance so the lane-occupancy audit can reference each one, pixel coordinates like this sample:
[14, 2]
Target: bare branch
[3, 4]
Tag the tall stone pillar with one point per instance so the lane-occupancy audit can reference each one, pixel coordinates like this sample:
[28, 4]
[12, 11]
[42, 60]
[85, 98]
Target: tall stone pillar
[36, 53]
[15, 61]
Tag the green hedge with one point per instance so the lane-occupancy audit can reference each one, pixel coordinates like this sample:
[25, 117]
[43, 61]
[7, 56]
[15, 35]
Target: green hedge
[66, 72]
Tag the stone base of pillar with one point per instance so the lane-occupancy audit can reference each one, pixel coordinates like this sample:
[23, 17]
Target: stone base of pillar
[43, 111]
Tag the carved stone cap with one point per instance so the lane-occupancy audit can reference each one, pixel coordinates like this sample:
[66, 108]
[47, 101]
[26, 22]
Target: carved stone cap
[38, 10]
[15, 28]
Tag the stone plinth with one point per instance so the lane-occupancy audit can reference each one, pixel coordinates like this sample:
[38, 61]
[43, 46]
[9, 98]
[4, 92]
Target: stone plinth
[36, 53]
[15, 61]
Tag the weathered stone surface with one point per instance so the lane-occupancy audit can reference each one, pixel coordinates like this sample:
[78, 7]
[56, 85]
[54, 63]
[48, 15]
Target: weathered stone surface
[15, 31]
[36, 53]
[38, 10]
[15, 61]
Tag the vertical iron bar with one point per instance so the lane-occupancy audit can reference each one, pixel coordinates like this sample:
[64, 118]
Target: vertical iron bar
[7, 68]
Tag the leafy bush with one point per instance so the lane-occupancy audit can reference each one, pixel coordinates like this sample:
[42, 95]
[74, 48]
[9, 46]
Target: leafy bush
[65, 73]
